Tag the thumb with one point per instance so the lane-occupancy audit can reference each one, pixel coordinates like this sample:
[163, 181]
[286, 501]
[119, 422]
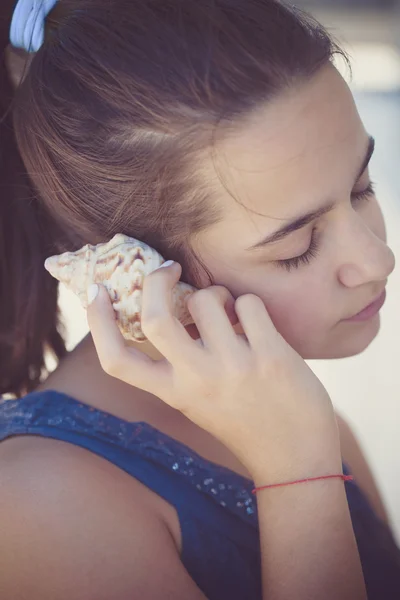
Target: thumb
[116, 358]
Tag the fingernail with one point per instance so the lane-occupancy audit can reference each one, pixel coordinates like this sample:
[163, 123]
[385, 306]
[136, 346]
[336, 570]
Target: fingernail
[92, 292]
[167, 263]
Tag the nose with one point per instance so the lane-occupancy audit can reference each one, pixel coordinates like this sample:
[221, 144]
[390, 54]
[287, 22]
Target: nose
[367, 259]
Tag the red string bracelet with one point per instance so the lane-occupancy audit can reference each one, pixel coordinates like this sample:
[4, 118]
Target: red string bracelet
[275, 485]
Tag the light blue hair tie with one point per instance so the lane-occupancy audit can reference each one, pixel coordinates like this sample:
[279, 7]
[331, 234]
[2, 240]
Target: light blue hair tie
[28, 23]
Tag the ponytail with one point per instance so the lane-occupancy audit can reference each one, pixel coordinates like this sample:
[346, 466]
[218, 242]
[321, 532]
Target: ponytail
[28, 294]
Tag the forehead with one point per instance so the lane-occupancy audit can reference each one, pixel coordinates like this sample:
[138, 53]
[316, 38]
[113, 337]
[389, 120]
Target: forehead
[297, 153]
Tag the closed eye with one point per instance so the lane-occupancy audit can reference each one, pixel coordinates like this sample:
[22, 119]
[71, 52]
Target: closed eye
[303, 259]
[365, 195]
[357, 198]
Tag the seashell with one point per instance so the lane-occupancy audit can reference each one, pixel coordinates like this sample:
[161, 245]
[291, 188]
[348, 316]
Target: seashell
[121, 266]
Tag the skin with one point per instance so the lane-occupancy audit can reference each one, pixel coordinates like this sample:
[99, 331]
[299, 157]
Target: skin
[299, 154]
[295, 155]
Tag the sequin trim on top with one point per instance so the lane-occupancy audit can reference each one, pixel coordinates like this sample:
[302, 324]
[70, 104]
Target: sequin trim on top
[227, 488]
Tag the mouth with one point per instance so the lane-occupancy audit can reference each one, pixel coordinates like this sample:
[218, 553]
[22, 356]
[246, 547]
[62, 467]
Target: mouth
[369, 311]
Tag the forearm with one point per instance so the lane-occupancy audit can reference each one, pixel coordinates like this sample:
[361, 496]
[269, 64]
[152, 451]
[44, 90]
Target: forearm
[307, 541]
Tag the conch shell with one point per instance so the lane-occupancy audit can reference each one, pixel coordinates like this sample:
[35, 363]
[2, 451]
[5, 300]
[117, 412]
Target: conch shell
[120, 265]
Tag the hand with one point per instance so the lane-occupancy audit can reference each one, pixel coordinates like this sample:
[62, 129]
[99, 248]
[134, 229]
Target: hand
[252, 391]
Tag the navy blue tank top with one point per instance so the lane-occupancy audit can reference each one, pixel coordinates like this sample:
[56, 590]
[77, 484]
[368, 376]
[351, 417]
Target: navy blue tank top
[215, 506]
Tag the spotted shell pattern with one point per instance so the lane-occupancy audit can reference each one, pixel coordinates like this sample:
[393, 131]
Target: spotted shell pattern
[121, 266]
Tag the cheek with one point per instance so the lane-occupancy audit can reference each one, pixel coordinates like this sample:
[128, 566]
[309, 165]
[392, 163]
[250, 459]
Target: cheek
[298, 302]
[300, 306]
[294, 316]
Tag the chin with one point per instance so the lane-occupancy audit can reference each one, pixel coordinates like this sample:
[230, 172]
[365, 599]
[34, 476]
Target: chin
[354, 339]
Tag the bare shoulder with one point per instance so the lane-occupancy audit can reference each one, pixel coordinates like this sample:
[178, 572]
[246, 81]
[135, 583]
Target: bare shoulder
[75, 526]
[354, 457]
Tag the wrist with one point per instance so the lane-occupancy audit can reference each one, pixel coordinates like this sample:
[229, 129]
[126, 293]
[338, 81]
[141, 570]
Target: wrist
[267, 474]
[309, 456]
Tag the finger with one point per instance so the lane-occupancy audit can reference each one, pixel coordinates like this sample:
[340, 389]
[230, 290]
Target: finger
[256, 322]
[159, 324]
[209, 308]
[232, 316]
[129, 365]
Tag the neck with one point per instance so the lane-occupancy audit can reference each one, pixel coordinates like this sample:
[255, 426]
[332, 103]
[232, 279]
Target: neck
[80, 375]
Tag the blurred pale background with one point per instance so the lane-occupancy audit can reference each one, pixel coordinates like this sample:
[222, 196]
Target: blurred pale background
[364, 389]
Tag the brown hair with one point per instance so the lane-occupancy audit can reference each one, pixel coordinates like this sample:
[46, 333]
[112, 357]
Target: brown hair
[123, 99]
[28, 295]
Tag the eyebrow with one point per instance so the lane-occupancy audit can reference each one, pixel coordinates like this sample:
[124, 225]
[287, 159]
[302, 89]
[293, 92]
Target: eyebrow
[306, 219]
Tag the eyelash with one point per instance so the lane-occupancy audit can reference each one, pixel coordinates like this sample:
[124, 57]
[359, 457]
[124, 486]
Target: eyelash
[312, 251]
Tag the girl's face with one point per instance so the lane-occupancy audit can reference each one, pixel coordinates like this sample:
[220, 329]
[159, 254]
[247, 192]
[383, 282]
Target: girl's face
[308, 237]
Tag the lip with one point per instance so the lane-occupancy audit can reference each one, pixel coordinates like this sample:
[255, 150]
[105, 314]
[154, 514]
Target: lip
[369, 311]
